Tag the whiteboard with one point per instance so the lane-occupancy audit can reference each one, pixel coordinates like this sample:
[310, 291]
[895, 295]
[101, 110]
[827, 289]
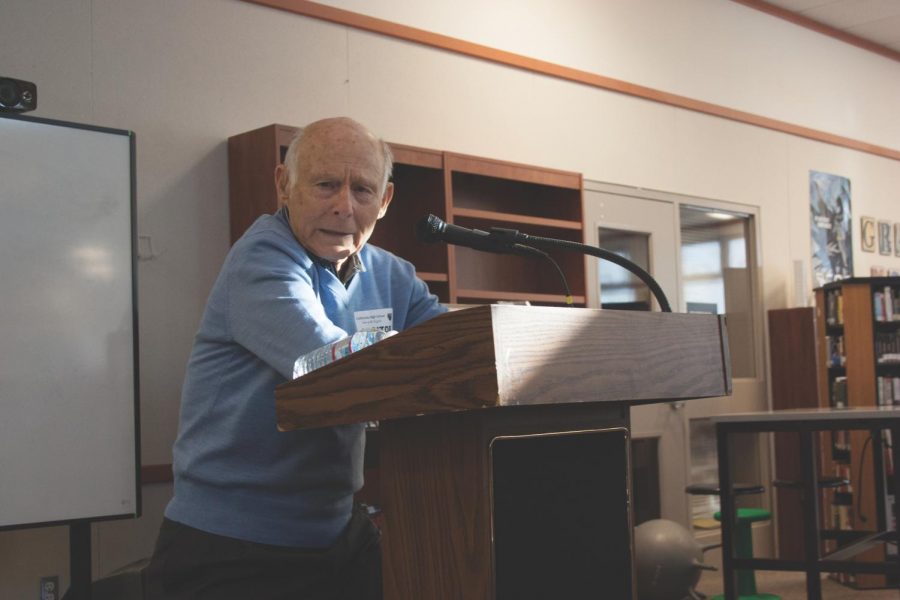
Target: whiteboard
[69, 425]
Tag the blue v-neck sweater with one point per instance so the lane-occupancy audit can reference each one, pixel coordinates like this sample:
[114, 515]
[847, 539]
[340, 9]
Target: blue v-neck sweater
[235, 474]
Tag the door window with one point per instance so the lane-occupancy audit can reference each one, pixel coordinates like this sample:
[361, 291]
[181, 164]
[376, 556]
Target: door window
[619, 288]
[716, 278]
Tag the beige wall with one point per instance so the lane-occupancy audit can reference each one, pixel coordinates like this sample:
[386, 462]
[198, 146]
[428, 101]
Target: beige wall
[186, 74]
[714, 50]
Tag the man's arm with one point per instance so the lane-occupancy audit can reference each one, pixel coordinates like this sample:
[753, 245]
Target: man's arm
[423, 305]
[273, 310]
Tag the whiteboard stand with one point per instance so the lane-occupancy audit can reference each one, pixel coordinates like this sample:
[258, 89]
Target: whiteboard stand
[79, 561]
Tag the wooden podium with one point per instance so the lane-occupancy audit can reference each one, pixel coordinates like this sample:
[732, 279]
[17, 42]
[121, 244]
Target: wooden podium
[504, 441]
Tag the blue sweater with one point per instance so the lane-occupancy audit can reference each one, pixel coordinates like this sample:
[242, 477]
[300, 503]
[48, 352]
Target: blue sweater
[235, 474]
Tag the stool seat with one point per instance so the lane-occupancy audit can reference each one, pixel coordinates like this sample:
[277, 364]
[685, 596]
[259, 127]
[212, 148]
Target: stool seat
[748, 515]
[712, 489]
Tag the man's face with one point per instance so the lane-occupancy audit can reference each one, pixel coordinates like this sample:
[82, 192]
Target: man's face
[336, 197]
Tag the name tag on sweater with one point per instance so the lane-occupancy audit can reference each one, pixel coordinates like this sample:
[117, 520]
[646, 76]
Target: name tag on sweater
[379, 319]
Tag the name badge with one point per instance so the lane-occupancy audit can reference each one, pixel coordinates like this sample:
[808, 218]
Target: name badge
[379, 319]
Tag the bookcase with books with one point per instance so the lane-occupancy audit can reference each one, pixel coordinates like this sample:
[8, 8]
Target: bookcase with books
[858, 324]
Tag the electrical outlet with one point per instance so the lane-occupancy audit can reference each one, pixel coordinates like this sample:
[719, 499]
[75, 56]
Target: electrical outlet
[50, 588]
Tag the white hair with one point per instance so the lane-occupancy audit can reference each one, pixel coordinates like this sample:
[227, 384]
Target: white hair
[291, 156]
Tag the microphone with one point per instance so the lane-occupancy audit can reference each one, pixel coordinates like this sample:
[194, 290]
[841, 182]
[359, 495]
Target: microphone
[432, 229]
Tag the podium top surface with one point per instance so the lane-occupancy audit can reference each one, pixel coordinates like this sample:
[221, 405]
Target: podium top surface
[505, 355]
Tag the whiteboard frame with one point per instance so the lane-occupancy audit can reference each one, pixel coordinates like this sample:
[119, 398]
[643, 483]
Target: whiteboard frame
[132, 208]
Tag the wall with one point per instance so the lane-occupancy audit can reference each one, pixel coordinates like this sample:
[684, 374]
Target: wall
[186, 75]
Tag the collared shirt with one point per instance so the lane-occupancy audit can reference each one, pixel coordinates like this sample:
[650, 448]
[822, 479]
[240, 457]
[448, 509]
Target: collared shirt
[354, 265]
[352, 268]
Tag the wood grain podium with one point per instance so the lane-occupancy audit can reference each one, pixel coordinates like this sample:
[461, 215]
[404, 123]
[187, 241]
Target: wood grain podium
[504, 441]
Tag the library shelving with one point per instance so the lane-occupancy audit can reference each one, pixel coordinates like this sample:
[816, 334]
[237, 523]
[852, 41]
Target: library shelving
[463, 190]
[858, 325]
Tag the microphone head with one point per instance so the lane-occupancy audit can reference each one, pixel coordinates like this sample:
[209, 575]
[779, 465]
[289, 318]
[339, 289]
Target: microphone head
[429, 228]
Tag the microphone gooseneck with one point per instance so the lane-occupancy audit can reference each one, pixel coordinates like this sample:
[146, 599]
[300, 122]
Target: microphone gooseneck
[432, 229]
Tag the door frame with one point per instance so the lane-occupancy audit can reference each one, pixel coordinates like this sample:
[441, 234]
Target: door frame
[749, 393]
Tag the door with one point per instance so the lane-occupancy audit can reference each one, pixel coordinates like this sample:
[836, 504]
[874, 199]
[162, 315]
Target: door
[617, 221]
[703, 254]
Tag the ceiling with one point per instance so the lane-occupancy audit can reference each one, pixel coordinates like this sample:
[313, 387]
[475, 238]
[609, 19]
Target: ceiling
[874, 21]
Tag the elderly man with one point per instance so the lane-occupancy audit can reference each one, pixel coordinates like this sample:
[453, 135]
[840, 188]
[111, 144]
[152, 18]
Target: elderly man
[259, 513]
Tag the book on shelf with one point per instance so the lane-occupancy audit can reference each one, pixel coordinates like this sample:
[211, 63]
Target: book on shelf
[889, 358]
[888, 389]
[842, 511]
[834, 307]
[886, 304]
[840, 449]
[836, 354]
[839, 392]
[887, 347]
[878, 310]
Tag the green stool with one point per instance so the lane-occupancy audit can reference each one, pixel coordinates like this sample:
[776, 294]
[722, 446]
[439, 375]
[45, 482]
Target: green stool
[746, 580]
[744, 534]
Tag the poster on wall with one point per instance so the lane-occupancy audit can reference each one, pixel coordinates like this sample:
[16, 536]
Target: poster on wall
[830, 227]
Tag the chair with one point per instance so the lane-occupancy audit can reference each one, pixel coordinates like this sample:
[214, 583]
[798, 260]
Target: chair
[746, 578]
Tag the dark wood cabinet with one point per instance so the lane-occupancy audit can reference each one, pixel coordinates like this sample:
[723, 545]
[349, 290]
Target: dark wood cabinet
[795, 384]
[464, 190]
[252, 158]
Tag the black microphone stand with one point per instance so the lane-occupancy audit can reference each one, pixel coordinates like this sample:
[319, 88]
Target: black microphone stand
[502, 240]
[513, 236]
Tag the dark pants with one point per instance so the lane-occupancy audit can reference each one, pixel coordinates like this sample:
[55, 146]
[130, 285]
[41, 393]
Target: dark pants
[192, 564]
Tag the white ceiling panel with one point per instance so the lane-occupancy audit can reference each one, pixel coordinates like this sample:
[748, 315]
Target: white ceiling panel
[877, 21]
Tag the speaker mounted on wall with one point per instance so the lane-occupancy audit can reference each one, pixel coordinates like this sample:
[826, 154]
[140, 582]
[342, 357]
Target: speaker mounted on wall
[17, 96]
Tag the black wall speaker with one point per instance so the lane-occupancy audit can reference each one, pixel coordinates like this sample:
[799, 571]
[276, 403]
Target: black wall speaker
[17, 95]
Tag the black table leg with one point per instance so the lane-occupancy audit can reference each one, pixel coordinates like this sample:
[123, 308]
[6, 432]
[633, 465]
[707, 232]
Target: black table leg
[728, 512]
[894, 430]
[811, 532]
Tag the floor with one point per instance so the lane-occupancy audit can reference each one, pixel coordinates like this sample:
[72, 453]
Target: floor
[792, 586]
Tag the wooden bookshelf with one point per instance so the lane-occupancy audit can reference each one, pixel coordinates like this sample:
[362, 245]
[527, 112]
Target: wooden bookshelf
[856, 328]
[464, 190]
[251, 183]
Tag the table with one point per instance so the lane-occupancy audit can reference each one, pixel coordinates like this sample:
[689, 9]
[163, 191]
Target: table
[807, 422]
